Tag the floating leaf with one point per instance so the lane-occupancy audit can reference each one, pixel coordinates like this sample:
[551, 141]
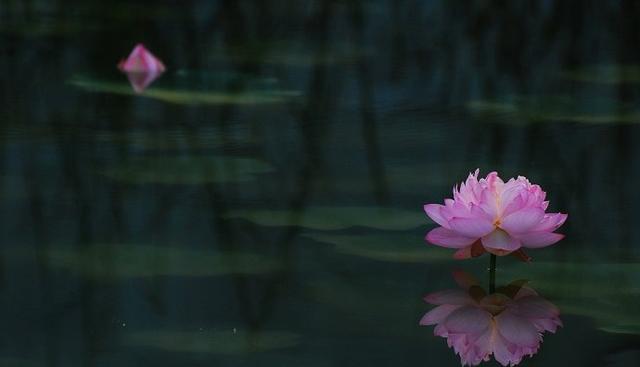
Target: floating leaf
[605, 74]
[116, 261]
[188, 170]
[534, 109]
[334, 218]
[622, 329]
[188, 97]
[215, 342]
[579, 279]
[405, 179]
[384, 247]
[616, 315]
[605, 292]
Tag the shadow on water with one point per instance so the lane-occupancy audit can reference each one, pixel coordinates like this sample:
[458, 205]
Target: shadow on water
[257, 310]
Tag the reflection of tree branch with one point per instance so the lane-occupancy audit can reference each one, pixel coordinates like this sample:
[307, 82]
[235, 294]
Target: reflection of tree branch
[3, 192]
[71, 169]
[313, 123]
[624, 134]
[564, 36]
[369, 126]
[36, 204]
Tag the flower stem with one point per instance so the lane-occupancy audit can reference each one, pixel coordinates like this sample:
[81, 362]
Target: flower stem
[492, 274]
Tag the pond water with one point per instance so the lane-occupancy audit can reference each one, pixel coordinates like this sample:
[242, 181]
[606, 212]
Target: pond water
[260, 203]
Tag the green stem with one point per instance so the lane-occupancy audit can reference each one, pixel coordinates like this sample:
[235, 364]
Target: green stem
[492, 274]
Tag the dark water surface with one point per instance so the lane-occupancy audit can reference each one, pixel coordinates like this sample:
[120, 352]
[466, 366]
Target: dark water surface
[261, 203]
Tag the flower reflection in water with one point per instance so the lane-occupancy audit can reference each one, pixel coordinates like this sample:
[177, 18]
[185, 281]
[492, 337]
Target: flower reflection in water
[141, 80]
[507, 324]
[142, 68]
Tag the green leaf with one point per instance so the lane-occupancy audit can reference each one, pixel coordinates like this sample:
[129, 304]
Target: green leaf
[334, 218]
[230, 342]
[116, 261]
[605, 74]
[187, 97]
[608, 293]
[542, 109]
[187, 170]
[400, 248]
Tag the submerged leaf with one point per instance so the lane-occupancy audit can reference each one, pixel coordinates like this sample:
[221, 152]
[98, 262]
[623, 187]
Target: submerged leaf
[216, 342]
[539, 109]
[622, 329]
[116, 261]
[333, 218]
[188, 170]
[188, 97]
[383, 247]
[605, 292]
[605, 74]
[574, 279]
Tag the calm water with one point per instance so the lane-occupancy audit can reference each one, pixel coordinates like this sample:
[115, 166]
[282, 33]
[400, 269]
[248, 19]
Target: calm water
[261, 203]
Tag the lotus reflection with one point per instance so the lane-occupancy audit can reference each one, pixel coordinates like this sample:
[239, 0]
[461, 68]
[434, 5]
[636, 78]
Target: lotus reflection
[141, 67]
[507, 324]
[140, 81]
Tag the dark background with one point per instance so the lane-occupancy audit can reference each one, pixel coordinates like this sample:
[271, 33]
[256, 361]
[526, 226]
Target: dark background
[122, 212]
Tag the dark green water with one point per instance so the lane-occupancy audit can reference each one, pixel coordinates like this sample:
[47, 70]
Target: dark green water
[261, 203]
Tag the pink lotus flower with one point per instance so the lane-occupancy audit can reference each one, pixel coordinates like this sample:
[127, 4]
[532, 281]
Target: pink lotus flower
[141, 61]
[507, 324]
[494, 216]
